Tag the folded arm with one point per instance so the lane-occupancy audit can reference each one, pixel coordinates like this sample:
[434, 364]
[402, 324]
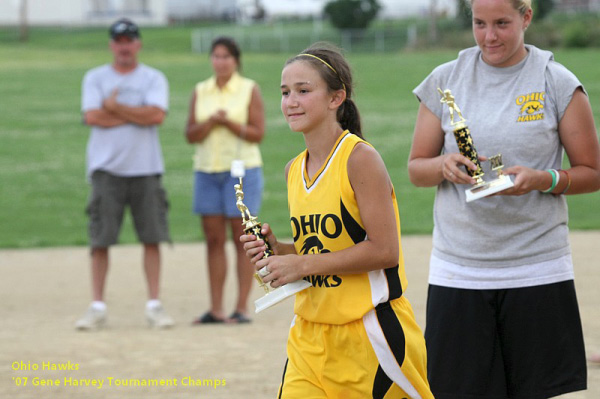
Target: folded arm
[114, 114]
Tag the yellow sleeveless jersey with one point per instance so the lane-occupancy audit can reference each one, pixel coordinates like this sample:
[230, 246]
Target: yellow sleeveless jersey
[325, 218]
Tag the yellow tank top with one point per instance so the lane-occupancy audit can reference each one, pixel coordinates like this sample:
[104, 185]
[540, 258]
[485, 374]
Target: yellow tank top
[324, 217]
[221, 146]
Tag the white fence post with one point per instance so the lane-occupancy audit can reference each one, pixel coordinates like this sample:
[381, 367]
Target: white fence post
[347, 40]
[380, 41]
[196, 41]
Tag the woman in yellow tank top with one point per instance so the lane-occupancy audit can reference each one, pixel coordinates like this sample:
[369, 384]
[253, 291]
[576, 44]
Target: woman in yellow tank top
[354, 333]
[226, 123]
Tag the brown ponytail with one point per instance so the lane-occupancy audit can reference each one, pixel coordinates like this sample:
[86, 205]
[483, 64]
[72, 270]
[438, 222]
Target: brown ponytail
[349, 117]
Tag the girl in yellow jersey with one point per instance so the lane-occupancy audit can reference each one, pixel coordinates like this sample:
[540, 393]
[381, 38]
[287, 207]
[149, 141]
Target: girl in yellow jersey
[354, 334]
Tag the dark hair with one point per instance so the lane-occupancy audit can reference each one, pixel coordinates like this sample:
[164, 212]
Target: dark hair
[231, 46]
[335, 71]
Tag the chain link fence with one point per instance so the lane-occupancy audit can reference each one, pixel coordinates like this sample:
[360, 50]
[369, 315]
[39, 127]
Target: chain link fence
[278, 38]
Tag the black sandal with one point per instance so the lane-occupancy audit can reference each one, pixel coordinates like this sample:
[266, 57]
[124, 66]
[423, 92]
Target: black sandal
[207, 318]
[239, 318]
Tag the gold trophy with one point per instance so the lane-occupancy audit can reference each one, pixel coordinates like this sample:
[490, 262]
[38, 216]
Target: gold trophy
[481, 188]
[252, 226]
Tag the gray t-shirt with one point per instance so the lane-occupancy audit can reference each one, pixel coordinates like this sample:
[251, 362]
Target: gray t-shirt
[514, 111]
[130, 149]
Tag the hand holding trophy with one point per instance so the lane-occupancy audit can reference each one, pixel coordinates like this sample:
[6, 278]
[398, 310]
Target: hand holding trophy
[253, 226]
[481, 188]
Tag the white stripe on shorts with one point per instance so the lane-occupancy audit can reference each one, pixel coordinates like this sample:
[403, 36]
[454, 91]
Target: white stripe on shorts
[385, 356]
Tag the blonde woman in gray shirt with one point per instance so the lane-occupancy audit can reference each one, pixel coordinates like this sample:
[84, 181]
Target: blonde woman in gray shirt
[502, 313]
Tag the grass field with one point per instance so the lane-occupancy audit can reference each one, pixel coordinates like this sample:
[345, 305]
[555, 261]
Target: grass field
[42, 141]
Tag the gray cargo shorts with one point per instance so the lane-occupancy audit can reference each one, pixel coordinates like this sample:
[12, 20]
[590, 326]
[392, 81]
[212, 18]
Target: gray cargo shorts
[146, 198]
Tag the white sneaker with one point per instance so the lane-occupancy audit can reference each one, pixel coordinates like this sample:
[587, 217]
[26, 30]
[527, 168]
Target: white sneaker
[92, 319]
[158, 318]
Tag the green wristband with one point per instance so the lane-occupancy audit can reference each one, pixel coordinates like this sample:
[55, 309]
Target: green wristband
[554, 180]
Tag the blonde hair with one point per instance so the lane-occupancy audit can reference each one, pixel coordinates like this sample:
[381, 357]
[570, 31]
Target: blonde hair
[520, 5]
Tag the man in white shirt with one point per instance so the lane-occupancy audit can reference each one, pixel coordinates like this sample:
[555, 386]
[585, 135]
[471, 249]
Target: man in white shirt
[124, 103]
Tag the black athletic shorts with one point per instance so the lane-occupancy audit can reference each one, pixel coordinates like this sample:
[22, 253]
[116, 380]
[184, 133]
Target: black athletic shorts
[524, 343]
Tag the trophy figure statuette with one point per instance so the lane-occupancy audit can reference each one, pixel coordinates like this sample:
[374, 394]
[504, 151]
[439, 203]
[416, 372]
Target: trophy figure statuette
[466, 147]
[253, 226]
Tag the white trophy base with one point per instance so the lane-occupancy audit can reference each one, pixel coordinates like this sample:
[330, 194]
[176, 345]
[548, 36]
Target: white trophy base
[279, 294]
[488, 188]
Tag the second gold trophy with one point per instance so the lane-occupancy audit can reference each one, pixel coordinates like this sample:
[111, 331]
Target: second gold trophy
[466, 147]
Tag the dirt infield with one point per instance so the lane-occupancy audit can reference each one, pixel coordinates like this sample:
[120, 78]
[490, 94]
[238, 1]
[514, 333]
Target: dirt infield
[43, 291]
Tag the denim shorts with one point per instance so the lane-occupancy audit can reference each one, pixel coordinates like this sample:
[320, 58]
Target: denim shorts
[146, 199]
[214, 193]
